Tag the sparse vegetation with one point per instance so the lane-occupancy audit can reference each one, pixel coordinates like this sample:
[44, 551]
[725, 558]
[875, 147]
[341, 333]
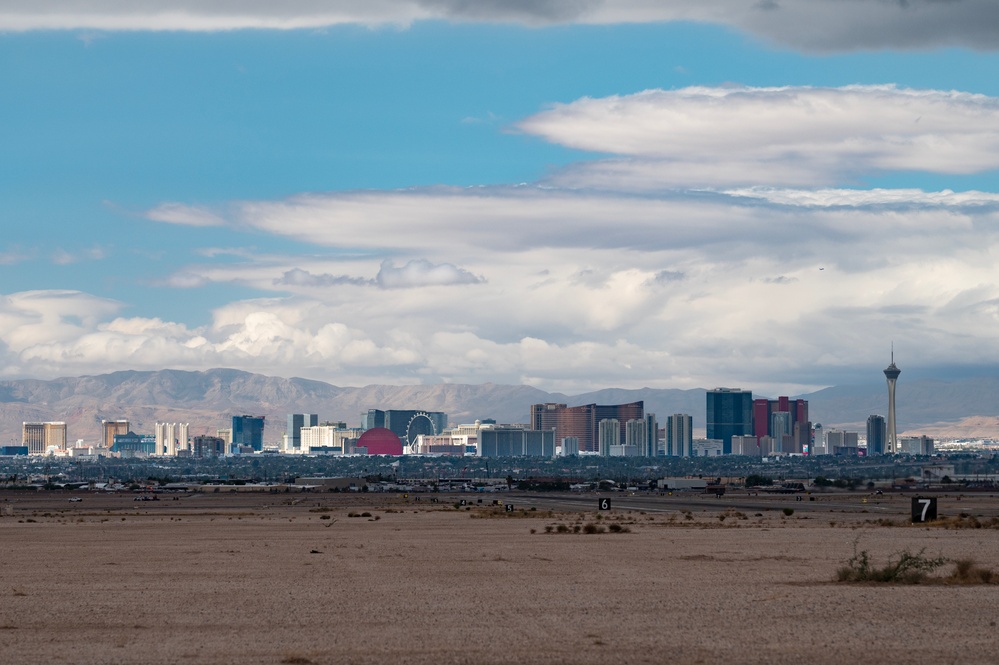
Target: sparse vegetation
[788, 512]
[966, 571]
[901, 568]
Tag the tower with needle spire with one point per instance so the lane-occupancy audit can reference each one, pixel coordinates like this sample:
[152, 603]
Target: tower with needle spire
[891, 373]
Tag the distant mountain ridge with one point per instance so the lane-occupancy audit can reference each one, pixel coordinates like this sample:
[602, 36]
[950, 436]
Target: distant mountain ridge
[208, 399]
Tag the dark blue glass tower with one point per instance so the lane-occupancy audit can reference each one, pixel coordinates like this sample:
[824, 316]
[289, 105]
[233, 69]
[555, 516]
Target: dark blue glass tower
[248, 431]
[729, 413]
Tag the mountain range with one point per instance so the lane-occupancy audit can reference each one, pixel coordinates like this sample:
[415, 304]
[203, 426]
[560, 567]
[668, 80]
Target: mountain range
[207, 400]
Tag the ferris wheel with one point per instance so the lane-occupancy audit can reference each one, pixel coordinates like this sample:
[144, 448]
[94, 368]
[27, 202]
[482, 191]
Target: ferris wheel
[420, 423]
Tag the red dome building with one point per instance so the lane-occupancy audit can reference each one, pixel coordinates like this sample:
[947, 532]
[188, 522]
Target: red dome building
[380, 441]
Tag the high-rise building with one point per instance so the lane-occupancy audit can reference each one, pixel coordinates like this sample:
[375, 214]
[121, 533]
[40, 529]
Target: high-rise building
[296, 421]
[208, 446]
[581, 422]
[891, 374]
[780, 429]
[729, 413]
[545, 416]
[407, 424]
[652, 435]
[747, 445]
[111, 428]
[839, 442]
[516, 442]
[248, 431]
[40, 437]
[801, 437]
[876, 435]
[679, 435]
[609, 432]
[915, 445]
[330, 438]
[636, 438]
[763, 411]
[171, 437]
[818, 441]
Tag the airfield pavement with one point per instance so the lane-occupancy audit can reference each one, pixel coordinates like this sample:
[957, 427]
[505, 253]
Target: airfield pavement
[264, 578]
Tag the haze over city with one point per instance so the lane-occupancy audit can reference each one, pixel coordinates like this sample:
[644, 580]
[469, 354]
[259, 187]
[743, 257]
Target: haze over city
[568, 196]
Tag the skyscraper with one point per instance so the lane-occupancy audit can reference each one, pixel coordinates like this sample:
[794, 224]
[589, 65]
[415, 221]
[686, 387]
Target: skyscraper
[609, 431]
[729, 413]
[891, 373]
[170, 437]
[296, 421]
[39, 437]
[582, 422]
[679, 435]
[652, 435]
[248, 431]
[876, 435]
[111, 428]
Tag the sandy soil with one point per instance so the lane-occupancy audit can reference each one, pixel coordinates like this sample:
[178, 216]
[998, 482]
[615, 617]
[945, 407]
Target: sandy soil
[264, 579]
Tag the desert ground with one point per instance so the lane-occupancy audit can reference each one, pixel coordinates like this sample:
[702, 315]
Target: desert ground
[335, 578]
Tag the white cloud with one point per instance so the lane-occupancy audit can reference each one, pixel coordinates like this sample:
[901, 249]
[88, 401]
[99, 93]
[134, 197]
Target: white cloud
[810, 25]
[178, 213]
[415, 273]
[770, 136]
[420, 272]
[590, 287]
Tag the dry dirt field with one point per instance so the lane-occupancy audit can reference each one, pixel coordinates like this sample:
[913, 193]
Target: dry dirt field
[261, 578]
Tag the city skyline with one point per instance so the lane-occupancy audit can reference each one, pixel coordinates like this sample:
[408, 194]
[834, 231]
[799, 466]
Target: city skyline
[622, 194]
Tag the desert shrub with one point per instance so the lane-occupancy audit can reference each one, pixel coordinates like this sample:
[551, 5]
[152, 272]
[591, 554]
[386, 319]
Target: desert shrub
[966, 571]
[614, 527]
[789, 511]
[562, 528]
[902, 568]
[325, 517]
[593, 528]
[576, 528]
[365, 514]
[353, 515]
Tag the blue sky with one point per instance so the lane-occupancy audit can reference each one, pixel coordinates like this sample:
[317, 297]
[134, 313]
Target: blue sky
[385, 198]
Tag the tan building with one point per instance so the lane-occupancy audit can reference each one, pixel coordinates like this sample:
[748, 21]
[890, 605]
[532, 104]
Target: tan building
[111, 428]
[40, 437]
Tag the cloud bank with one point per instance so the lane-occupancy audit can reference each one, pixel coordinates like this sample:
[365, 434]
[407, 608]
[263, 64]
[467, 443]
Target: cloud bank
[809, 25]
[775, 136]
[579, 282]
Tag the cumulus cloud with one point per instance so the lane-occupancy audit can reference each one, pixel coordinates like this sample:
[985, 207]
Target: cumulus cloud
[299, 277]
[420, 272]
[606, 284]
[799, 136]
[811, 25]
[415, 273]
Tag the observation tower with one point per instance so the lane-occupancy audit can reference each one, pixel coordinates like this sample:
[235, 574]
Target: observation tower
[891, 373]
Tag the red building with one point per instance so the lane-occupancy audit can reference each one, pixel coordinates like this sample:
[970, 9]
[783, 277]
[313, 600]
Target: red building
[582, 421]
